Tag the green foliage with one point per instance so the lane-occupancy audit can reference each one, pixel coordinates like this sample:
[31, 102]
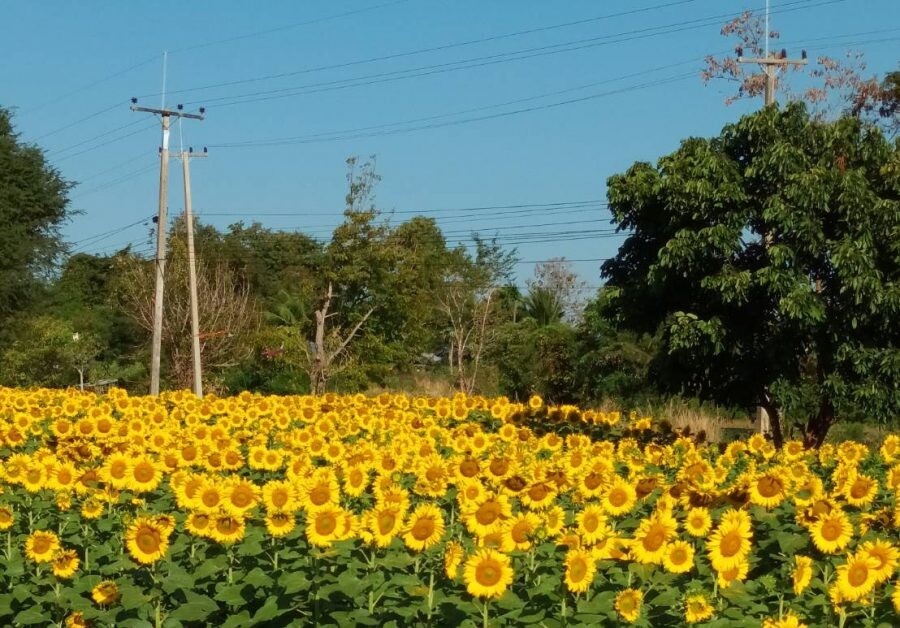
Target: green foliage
[47, 352]
[33, 205]
[768, 259]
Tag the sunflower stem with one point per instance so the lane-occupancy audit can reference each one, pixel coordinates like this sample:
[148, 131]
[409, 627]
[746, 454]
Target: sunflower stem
[485, 614]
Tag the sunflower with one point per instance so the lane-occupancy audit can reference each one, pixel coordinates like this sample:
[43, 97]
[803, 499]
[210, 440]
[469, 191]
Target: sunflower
[146, 540]
[76, 620]
[768, 490]
[802, 573]
[789, 620]
[521, 529]
[628, 604]
[728, 546]
[487, 516]
[738, 573]
[895, 597]
[698, 522]
[831, 532]
[280, 523]
[105, 593]
[580, 570]
[856, 578]
[554, 520]
[861, 491]
[620, 498]
[883, 558]
[697, 608]
[323, 525]
[6, 517]
[240, 496]
[115, 470]
[279, 496]
[144, 474]
[92, 508]
[198, 524]
[679, 557]
[453, 556]
[424, 528]
[382, 523]
[592, 524]
[650, 538]
[41, 545]
[65, 563]
[227, 528]
[487, 573]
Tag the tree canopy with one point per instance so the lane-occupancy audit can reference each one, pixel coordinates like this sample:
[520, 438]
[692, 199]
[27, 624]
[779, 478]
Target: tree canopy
[768, 259]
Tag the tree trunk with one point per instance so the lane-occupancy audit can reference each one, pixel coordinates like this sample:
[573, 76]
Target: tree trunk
[775, 424]
[817, 426]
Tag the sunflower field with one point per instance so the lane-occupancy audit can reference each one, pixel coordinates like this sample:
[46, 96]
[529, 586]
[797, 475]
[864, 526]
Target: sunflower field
[397, 511]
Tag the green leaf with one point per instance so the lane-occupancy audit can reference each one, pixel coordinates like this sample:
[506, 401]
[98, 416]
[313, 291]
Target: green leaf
[257, 578]
[237, 621]
[294, 582]
[33, 615]
[196, 608]
[268, 611]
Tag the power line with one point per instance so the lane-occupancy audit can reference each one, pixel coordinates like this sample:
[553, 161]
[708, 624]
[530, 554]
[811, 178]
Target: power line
[56, 151]
[538, 206]
[285, 27]
[474, 62]
[115, 182]
[398, 55]
[102, 144]
[276, 142]
[92, 240]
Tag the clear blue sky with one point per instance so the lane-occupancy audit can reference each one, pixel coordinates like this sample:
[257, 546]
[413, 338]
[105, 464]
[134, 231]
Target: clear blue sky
[66, 61]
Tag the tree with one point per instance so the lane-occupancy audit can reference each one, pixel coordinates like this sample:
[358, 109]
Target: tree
[329, 345]
[557, 277]
[33, 205]
[228, 312]
[47, 351]
[768, 259]
[543, 306]
[831, 86]
[468, 301]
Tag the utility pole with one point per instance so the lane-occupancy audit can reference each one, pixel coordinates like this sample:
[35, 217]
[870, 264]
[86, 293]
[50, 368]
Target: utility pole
[186, 156]
[165, 116]
[771, 64]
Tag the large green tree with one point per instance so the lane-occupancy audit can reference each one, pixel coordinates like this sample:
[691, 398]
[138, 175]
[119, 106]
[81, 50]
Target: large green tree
[768, 258]
[33, 205]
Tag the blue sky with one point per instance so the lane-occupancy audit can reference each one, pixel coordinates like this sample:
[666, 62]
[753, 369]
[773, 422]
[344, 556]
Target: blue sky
[70, 68]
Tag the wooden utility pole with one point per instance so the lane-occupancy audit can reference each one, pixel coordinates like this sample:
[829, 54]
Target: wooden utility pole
[771, 64]
[186, 156]
[165, 116]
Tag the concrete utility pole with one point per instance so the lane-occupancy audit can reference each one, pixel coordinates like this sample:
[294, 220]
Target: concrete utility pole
[165, 116]
[186, 156]
[771, 64]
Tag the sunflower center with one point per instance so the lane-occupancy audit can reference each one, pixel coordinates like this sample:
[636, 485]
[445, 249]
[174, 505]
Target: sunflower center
[143, 473]
[593, 480]
[118, 469]
[678, 556]
[537, 493]
[319, 495]
[433, 474]
[386, 521]
[423, 529]
[41, 545]
[520, 532]
[617, 497]
[654, 540]
[487, 513]
[325, 524]
[499, 466]
[279, 498]
[488, 573]
[210, 498]
[731, 544]
[147, 540]
[577, 570]
[769, 486]
[241, 497]
[859, 489]
[857, 575]
[591, 522]
[831, 530]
